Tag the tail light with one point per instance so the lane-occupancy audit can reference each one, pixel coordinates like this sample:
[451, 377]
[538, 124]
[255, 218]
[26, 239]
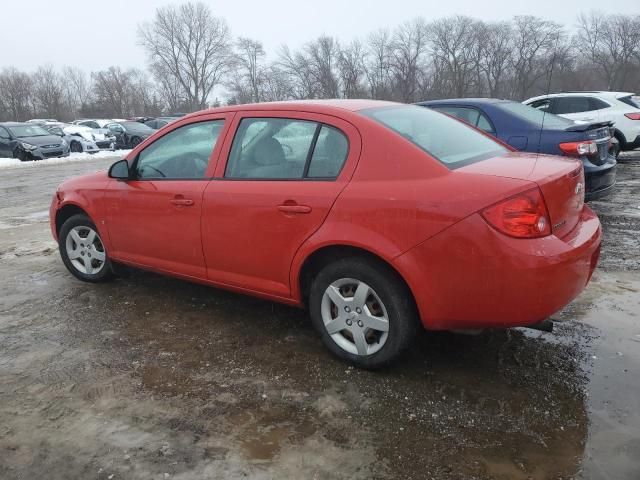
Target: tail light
[522, 216]
[633, 116]
[579, 148]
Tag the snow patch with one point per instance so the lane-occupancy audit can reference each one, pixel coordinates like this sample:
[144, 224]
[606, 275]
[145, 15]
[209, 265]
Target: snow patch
[74, 157]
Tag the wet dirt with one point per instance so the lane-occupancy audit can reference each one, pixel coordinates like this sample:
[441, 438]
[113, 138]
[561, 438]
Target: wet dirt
[152, 377]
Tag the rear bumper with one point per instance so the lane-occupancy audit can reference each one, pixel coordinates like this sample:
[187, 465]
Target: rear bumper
[471, 276]
[600, 179]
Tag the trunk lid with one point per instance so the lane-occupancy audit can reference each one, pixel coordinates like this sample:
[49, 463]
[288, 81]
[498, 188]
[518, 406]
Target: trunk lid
[561, 180]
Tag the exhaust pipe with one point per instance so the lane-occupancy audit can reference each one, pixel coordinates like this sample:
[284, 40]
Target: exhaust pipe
[543, 326]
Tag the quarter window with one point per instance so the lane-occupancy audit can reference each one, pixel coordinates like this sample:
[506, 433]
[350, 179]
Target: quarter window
[469, 115]
[329, 154]
[542, 105]
[564, 105]
[4, 133]
[281, 148]
[485, 125]
[182, 153]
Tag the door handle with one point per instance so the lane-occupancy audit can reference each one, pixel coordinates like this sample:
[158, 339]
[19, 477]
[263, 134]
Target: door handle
[182, 202]
[295, 209]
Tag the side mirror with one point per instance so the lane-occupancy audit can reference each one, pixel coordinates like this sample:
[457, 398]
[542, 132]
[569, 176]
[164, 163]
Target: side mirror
[119, 170]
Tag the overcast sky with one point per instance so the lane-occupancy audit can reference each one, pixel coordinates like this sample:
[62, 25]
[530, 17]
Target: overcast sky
[95, 34]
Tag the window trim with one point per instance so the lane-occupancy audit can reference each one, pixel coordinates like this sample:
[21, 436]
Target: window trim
[470, 107]
[219, 141]
[312, 147]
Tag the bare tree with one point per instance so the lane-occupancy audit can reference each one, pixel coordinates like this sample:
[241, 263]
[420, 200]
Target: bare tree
[322, 57]
[297, 67]
[455, 49]
[378, 65]
[49, 93]
[188, 43]
[611, 43]
[351, 70]
[78, 89]
[407, 57]
[496, 55]
[16, 94]
[247, 80]
[535, 43]
[114, 91]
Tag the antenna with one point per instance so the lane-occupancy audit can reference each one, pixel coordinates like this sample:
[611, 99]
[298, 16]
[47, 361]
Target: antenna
[544, 112]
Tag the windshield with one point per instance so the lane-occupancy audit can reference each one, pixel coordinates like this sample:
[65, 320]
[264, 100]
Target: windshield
[21, 131]
[450, 141]
[535, 116]
[137, 127]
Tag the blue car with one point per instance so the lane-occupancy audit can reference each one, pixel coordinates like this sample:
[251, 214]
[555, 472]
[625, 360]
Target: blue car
[530, 130]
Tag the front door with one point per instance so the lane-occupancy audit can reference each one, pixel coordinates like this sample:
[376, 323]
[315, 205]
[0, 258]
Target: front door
[5, 141]
[283, 174]
[153, 219]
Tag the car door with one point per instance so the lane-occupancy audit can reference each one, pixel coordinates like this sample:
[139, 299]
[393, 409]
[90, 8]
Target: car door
[282, 174]
[574, 108]
[154, 218]
[5, 143]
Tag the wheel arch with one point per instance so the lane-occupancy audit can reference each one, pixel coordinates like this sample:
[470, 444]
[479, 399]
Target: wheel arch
[324, 254]
[620, 136]
[66, 212]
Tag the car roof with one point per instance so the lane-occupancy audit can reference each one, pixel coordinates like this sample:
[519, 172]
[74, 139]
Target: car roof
[588, 93]
[318, 106]
[15, 124]
[468, 101]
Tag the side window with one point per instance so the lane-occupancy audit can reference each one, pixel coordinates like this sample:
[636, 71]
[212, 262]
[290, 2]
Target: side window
[469, 115]
[542, 105]
[4, 134]
[485, 125]
[564, 105]
[182, 153]
[270, 148]
[597, 104]
[329, 154]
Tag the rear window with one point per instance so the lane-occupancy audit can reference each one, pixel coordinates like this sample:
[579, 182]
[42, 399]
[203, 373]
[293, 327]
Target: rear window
[449, 141]
[632, 101]
[535, 116]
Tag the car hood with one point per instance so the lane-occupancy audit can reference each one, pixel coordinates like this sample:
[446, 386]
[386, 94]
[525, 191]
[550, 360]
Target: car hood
[90, 181]
[41, 140]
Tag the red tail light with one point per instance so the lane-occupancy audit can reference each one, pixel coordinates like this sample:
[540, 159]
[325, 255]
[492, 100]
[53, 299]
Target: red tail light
[579, 148]
[522, 216]
[633, 116]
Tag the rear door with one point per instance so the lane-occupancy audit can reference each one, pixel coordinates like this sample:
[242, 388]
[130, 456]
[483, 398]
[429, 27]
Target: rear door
[153, 219]
[282, 175]
[575, 108]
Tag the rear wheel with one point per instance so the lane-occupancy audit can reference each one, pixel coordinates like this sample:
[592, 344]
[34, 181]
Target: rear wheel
[365, 314]
[82, 250]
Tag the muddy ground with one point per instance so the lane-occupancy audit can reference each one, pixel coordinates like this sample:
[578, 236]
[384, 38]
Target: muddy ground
[152, 378]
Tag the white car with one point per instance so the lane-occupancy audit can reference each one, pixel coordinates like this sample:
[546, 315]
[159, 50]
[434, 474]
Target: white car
[81, 138]
[621, 108]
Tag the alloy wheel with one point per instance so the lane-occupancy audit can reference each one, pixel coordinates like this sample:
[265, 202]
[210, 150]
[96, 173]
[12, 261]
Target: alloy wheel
[85, 250]
[355, 317]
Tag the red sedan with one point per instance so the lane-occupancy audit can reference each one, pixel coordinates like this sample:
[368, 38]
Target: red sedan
[377, 216]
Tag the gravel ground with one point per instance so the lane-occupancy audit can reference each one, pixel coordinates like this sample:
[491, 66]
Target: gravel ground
[151, 377]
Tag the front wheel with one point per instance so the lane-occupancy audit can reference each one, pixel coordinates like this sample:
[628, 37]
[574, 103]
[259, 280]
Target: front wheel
[76, 147]
[365, 314]
[82, 250]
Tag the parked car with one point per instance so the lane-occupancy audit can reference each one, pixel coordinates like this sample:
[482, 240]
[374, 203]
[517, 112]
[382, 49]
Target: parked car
[83, 139]
[41, 121]
[95, 123]
[621, 108]
[377, 216]
[29, 141]
[159, 122]
[530, 130]
[129, 134]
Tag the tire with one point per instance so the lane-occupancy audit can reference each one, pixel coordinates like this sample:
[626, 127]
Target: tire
[76, 147]
[20, 155]
[389, 304]
[75, 252]
[135, 141]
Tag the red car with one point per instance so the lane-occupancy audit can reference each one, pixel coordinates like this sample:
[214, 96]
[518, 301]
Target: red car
[377, 216]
